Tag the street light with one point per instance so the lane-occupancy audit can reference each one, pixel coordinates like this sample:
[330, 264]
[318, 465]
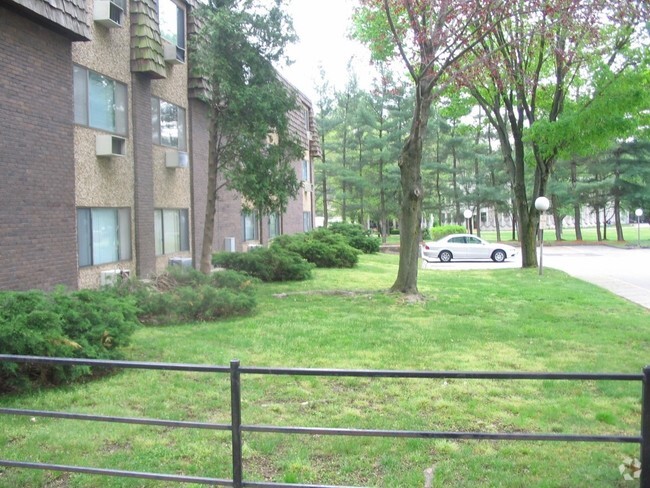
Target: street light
[638, 212]
[541, 204]
[468, 215]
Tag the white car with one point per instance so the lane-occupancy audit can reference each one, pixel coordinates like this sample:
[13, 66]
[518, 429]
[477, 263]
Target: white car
[466, 246]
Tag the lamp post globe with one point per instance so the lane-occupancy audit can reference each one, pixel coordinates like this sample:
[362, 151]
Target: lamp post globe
[468, 223]
[638, 212]
[542, 204]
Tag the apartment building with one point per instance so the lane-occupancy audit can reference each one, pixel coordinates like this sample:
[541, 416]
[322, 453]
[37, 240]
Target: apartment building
[103, 146]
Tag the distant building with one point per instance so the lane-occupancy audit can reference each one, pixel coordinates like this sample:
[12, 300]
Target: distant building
[103, 145]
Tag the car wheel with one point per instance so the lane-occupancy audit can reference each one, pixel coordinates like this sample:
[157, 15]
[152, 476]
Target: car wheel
[499, 256]
[445, 256]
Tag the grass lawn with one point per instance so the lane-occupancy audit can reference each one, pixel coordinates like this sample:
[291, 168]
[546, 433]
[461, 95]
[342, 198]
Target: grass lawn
[502, 320]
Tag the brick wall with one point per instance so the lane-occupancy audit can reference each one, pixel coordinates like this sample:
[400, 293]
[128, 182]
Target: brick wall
[144, 182]
[198, 124]
[38, 247]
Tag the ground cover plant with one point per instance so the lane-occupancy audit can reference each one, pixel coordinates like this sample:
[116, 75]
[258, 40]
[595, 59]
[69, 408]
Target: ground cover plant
[267, 264]
[502, 320]
[322, 247]
[356, 236]
[86, 324]
[183, 294]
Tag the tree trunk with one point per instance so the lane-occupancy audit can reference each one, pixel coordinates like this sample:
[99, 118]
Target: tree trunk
[211, 203]
[496, 224]
[325, 212]
[412, 194]
[383, 221]
[576, 205]
[600, 237]
[557, 218]
[617, 219]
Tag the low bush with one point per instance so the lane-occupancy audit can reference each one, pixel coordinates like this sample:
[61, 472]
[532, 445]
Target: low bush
[89, 324]
[267, 264]
[445, 230]
[321, 247]
[356, 236]
[394, 232]
[186, 295]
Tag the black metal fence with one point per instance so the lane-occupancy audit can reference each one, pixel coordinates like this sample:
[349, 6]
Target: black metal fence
[237, 427]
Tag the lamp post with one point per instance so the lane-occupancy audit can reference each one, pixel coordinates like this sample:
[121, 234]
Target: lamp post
[468, 215]
[638, 212]
[541, 204]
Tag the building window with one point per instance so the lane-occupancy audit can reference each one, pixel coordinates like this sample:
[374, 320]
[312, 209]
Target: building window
[171, 230]
[306, 221]
[306, 173]
[274, 225]
[249, 220]
[171, 19]
[103, 235]
[168, 124]
[99, 102]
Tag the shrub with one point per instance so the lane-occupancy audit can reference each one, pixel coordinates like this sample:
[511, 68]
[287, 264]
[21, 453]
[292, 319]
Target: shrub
[445, 230]
[394, 232]
[87, 324]
[321, 247]
[184, 295]
[357, 236]
[267, 264]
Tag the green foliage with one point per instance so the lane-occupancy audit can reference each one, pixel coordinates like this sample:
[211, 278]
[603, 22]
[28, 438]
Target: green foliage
[322, 247]
[267, 264]
[248, 104]
[426, 235]
[90, 324]
[357, 236]
[445, 230]
[186, 295]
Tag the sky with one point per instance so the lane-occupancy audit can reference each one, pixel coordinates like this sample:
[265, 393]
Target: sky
[323, 26]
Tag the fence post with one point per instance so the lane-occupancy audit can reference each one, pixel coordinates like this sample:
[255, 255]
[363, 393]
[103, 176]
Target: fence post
[645, 430]
[235, 415]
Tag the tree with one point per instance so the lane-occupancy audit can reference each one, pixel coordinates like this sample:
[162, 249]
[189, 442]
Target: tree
[325, 123]
[521, 73]
[233, 52]
[429, 37]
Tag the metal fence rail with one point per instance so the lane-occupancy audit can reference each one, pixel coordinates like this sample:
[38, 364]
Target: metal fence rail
[237, 428]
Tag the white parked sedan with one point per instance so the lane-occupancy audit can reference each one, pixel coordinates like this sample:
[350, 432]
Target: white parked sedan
[466, 246]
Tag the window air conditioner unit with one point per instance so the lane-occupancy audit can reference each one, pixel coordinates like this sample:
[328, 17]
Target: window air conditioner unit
[253, 245]
[112, 276]
[229, 244]
[307, 186]
[182, 262]
[108, 13]
[173, 54]
[109, 145]
[176, 159]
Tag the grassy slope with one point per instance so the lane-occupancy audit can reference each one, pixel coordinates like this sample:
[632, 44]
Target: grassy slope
[470, 320]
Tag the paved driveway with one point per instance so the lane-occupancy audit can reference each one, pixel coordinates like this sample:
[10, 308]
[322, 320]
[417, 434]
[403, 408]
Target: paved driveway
[625, 272]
